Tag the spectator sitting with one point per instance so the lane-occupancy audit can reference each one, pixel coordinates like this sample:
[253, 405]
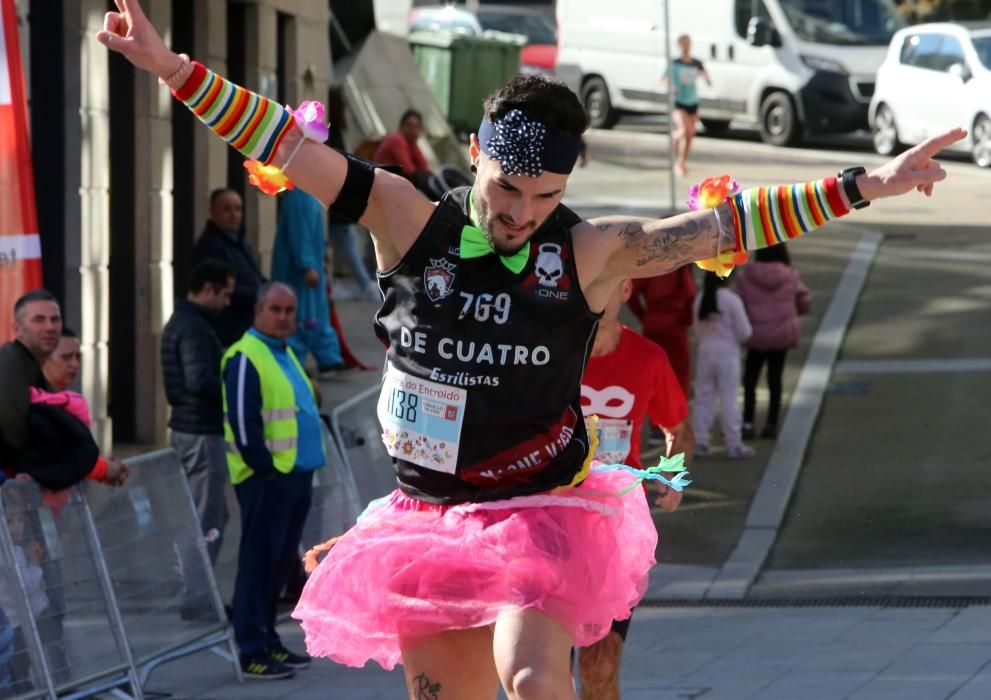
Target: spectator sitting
[400, 149]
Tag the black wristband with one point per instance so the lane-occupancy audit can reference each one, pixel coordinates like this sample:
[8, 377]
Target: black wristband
[849, 179]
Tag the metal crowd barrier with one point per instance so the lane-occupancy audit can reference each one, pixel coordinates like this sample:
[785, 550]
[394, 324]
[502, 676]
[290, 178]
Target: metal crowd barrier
[158, 562]
[336, 504]
[100, 586]
[62, 627]
[357, 430]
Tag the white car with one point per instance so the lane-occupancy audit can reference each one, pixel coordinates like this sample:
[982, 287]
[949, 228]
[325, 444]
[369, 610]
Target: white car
[935, 77]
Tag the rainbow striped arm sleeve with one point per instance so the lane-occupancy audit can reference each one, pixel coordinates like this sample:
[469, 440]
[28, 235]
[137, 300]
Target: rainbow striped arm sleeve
[252, 124]
[766, 216]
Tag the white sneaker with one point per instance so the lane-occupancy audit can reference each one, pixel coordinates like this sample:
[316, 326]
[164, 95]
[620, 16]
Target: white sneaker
[741, 452]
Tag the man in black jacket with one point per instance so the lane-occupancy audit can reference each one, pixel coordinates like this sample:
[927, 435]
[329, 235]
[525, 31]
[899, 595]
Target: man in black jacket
[191, 356]
[223, 239]
[37, 329]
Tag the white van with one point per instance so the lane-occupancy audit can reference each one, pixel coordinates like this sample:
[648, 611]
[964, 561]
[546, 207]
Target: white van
[790, 67]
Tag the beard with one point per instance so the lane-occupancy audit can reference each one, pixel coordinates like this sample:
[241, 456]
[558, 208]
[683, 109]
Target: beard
[485, 222]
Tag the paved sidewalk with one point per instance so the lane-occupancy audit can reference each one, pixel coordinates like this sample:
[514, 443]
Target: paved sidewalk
[721, 653]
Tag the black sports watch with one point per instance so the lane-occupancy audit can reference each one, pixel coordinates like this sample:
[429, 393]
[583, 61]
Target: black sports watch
[849, 179]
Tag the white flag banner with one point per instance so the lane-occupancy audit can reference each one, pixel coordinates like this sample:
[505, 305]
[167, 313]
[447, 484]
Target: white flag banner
[4, 65]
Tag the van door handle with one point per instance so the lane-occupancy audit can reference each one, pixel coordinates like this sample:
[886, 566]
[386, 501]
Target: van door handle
[729, 53]
[712, 52]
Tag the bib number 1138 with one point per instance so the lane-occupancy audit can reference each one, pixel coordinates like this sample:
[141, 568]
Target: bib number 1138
[421, 420]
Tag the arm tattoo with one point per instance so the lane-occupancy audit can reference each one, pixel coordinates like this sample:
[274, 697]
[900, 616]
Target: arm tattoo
[423, 689]
[673, 242]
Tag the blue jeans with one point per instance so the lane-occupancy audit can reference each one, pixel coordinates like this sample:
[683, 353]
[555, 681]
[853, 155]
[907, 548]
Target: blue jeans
[345, 245]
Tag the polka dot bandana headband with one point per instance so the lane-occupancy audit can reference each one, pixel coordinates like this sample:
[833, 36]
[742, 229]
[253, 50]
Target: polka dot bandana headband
[524, 146]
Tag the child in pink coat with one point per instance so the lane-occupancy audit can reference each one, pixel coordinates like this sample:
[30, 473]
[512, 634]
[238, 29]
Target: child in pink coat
[775, 298]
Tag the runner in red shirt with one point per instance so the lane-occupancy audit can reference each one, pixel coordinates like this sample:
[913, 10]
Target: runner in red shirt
[627, 378]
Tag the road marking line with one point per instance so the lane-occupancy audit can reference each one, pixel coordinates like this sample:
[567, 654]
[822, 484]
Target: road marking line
[928, 366]
[972, 256]
[770, 503]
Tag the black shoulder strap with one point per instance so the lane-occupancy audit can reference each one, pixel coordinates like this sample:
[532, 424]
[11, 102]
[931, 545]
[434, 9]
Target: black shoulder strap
[567, 217]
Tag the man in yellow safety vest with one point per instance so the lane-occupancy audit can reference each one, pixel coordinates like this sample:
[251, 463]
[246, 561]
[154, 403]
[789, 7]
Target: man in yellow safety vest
[274, 443]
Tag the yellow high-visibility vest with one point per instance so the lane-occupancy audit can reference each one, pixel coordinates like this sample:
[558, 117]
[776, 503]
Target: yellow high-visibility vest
[281, 429]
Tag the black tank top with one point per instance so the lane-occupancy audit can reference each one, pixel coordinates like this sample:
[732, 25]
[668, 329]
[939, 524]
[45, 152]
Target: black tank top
[481, 391]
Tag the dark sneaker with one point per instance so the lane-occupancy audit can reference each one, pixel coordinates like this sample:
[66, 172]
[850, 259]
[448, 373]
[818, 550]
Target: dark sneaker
[283, 656]
[747, 431]
[264, 668]
[770, 431]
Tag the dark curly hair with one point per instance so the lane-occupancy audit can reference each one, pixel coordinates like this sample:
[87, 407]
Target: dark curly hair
[547, 100]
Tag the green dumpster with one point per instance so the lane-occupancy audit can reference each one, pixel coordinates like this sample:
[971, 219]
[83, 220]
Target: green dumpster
[462, 70]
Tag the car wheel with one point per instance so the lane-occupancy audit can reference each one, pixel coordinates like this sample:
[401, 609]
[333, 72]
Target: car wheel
[885, 132]
[595, 98]
[981, 150]
[715, 126]
[779, 125]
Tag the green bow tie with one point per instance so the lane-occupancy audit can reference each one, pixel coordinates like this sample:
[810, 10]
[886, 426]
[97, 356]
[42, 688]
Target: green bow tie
[475, 244]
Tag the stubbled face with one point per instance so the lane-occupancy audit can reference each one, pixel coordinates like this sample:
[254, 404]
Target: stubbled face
[411, 129]
[38, 326]
[62, 366]
[510, 208]
[218, 298]
[276, 316]
[225, 212]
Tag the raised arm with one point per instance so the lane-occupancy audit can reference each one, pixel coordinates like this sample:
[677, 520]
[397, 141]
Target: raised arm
[619, 247]
[396, 212]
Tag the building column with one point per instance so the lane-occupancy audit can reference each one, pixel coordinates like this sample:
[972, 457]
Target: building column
[87, 201]
[210, 43]
[261, 60]
[153, 288]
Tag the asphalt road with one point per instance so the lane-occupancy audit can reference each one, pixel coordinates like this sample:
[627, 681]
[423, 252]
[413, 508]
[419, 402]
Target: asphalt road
[894, 475]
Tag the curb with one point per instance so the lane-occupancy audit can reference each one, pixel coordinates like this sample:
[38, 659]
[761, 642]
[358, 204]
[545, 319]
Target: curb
[770, 503]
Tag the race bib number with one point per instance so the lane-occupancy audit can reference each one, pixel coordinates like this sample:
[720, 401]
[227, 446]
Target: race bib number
[421, 420]
[615, 435]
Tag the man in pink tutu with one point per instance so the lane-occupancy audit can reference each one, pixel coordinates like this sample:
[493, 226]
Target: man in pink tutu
[501, 548]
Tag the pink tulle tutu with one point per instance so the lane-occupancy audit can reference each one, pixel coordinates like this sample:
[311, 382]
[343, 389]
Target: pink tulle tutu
[410, 568]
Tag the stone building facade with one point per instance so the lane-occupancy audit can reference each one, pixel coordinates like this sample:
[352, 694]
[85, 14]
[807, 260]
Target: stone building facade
[123, 174]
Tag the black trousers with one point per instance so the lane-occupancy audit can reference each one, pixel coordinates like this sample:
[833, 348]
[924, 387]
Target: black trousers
[751, 375]
[273, 512]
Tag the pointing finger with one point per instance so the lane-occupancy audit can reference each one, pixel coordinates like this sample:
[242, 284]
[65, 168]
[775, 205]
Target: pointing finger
[931, 146]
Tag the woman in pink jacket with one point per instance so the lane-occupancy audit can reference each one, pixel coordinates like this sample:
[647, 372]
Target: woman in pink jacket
[774, 297]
